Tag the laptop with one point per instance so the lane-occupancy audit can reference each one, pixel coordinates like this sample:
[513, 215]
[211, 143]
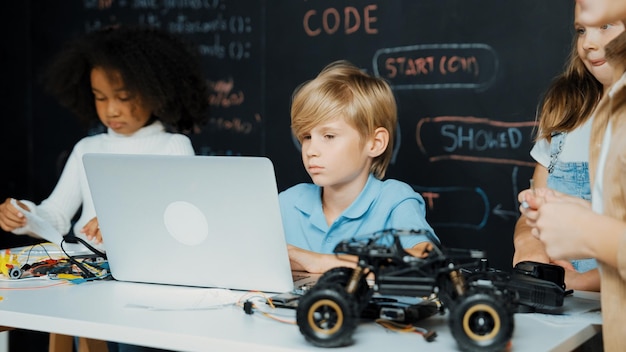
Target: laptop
[205, 221]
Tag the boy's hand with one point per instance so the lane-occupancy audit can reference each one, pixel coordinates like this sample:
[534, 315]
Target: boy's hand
[420, 250]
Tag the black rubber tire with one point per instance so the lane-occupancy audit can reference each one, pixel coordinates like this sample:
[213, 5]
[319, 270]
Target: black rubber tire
[15, 273]
[327, 316]
[481, 322]
[341, 276]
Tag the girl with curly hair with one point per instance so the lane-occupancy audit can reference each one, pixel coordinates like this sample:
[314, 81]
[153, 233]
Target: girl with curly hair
[145, 86]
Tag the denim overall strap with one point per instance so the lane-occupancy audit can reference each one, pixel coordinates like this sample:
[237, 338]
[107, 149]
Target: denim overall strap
[556, 146]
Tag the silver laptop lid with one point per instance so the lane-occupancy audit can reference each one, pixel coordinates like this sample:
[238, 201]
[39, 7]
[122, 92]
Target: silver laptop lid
[208, 221]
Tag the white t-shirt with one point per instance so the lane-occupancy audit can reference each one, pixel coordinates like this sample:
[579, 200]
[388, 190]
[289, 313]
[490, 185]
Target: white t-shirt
[575, 146]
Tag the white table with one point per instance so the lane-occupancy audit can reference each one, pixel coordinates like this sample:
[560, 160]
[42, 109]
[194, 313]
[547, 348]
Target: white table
[107, 310]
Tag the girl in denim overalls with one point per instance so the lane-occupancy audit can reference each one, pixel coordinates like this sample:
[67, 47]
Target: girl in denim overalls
[562, 145]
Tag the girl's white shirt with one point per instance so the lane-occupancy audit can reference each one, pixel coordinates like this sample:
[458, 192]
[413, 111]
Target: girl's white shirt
[575, 146]
[72, 190]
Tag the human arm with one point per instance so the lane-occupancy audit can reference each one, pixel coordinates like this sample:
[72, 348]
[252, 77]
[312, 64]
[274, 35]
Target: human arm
[587, 281]
[59, 208]
[64, 201]
[313, 262]
[407, 211]
[528, 247]
[569, 229]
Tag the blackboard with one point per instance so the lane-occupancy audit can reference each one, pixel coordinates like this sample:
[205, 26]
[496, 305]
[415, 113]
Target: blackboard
[467, 74]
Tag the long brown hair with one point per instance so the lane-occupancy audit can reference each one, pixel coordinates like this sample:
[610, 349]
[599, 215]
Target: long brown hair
[615, 54]
[570, 99]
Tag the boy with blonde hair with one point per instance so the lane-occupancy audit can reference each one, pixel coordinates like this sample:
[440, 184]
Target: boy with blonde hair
[345, 121]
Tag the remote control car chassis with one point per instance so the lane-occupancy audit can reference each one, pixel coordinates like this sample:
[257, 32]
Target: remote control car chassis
[480, 301]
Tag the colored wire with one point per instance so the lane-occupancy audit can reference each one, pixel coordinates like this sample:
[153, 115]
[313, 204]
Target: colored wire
[89, 271]
[28, 251]
[33, 287]
[397, 327]
[248, 299]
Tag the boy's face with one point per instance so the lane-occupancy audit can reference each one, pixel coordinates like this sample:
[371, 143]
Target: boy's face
[334, 154]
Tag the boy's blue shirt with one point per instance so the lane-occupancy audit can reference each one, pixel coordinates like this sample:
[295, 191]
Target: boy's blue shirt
[389, 204]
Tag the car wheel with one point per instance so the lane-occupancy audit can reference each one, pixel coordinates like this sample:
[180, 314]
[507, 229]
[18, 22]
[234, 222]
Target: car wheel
[327, 315]
[341, 276]
[481, 322]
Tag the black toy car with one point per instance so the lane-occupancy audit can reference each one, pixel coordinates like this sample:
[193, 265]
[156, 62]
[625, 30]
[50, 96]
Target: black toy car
[481, 301]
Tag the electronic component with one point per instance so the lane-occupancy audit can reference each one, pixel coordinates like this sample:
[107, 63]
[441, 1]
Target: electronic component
[9, 265]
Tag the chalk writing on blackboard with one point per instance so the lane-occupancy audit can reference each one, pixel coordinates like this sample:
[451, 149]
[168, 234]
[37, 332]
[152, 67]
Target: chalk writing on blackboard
[228, 40]
[230, 129]
[347, 20]
[499, 210]
[476, 206]
[437, 66]
[228, 32]
[472, 139]
[222, 94]
[162, 5]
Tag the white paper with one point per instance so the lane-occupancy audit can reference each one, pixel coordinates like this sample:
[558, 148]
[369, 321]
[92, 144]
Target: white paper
[44, 230]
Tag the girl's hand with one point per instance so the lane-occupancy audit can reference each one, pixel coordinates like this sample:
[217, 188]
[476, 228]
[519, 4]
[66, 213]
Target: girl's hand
[92, 231]
[11, 217]
[560, 225]
[532, 199]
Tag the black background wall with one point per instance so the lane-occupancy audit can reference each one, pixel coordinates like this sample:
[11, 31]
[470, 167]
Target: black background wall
[467, 74]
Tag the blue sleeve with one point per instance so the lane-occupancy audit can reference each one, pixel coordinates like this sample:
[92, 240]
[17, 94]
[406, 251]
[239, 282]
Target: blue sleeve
[410, 214]
[294, 233]
[286, 204]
